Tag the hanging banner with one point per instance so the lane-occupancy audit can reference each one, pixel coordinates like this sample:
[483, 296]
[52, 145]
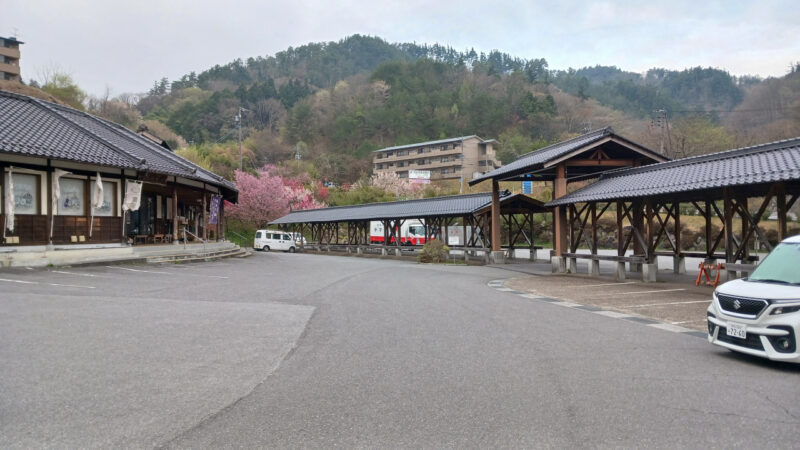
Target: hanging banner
[10, 204]
[97, 200]
[213, 209]
[56, 185]
[133, 195]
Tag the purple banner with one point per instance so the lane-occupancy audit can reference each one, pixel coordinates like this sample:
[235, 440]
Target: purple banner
[213, 209]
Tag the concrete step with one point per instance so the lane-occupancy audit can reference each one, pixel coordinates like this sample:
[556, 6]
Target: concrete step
[236, 251]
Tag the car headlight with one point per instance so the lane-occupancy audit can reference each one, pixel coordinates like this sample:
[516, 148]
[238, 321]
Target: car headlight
[785, 310]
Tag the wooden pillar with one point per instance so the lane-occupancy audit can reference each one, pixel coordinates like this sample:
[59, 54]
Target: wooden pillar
[205, 218]
[560, 212]
[649, 214]
[175, 211]
[220, 220]
[464, 229]
[620, 228]
[780, 197]
[727, 212]
[677, 221]
[744, 247]
[638, 225]
[709, 253]
[496, 226]
[593, 212]
[49, 206]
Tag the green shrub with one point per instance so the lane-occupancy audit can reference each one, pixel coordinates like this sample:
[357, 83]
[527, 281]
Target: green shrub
[434, 251]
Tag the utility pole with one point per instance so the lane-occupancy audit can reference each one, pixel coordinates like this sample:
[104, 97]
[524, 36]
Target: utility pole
[660, 120]
[239, 125]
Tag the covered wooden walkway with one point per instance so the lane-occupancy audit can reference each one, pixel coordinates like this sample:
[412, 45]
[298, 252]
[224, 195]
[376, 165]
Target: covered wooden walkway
[347, 228]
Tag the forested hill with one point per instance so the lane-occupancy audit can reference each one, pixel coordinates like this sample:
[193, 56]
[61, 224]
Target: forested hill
[335, 102]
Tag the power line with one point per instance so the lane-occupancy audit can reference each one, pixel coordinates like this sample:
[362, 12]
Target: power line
[722, 111]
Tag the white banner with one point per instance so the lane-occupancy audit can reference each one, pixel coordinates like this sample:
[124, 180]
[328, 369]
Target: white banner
[58, 173]
[9, 203]
[133, 195]
[97, 200]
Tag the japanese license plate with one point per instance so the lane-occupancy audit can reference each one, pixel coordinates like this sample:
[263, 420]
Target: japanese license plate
[737, 330]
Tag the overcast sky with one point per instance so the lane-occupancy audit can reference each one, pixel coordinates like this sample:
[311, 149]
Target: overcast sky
[126, 45]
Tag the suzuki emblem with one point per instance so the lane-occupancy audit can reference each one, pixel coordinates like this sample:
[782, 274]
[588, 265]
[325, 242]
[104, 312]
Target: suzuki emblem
[737, 304]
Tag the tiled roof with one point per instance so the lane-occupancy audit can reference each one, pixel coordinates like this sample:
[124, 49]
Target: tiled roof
[33, 127]
[454, 205]
[766, 163]
[536, 159]
[422, 144]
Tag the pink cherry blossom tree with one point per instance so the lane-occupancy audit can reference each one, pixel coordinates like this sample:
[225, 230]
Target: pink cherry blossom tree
[267, 196]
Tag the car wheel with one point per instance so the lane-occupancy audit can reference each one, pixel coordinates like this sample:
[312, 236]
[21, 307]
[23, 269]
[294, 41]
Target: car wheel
[291, 249]
[266, 248]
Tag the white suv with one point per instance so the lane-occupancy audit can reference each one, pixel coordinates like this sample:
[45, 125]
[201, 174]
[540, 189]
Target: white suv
[760, 315]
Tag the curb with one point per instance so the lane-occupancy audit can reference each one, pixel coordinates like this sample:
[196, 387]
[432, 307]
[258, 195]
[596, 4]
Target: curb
[499, 285]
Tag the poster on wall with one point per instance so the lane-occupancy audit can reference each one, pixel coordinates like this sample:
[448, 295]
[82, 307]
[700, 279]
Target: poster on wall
[71, 201]
[26, 200]
[213, 210]
[106, 209]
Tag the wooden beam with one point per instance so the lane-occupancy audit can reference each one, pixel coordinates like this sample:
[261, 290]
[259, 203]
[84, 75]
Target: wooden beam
[600, 162]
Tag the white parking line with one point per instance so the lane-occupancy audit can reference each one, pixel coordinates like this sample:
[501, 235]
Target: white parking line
[670, 303]
[668, 327]
[138, 270]
[74, 273]
[18, 281]
[71, 285]
[608, 284]
[49, 284]
[639, 292]
[614, 314]
[167, 273]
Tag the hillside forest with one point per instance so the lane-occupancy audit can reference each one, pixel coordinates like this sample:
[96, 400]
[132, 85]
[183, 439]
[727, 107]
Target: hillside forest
[316, 112]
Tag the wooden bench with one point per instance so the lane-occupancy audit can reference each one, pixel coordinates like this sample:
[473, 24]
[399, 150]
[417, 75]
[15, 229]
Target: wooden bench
[648, 273]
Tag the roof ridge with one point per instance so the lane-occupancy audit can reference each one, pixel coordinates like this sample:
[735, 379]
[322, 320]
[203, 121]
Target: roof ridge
[475, 194]
[753, 149]
[605, 131]
[459, 138]
[47, 106]
[129, 136]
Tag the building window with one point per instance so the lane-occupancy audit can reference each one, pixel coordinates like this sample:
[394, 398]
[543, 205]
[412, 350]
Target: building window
[71, 201]
[401, 164]
[481, 163]
[420, 151]
[402, 174]
[445, 159]
[107, 210]
[444, 171]
[391, 165]
[483, 150]
[401, 153]
[421, 162]
[26, 193]
[379, 166]
[390, 154]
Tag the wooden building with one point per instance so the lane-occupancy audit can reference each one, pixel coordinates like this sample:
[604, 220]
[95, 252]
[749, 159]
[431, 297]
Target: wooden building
[39, 140]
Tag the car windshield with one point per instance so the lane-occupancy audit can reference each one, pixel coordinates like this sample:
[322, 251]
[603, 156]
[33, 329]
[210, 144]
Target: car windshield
[417, 230]
[781, 265]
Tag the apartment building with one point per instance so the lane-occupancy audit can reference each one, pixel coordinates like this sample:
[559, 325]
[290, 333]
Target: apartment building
[9, 58]
[465, 156]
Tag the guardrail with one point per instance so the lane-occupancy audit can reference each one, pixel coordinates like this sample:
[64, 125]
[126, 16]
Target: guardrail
[195, 236]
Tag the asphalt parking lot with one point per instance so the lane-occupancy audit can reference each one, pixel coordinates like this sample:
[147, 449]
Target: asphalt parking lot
[305, 351]
[677, 303]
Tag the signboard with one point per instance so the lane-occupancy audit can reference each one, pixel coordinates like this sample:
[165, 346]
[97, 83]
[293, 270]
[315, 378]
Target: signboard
[213, 216]
[527, 187]
[419, 176]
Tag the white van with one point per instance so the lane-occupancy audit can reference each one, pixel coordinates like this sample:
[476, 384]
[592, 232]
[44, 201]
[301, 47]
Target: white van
[760, 315]
[274, 240]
